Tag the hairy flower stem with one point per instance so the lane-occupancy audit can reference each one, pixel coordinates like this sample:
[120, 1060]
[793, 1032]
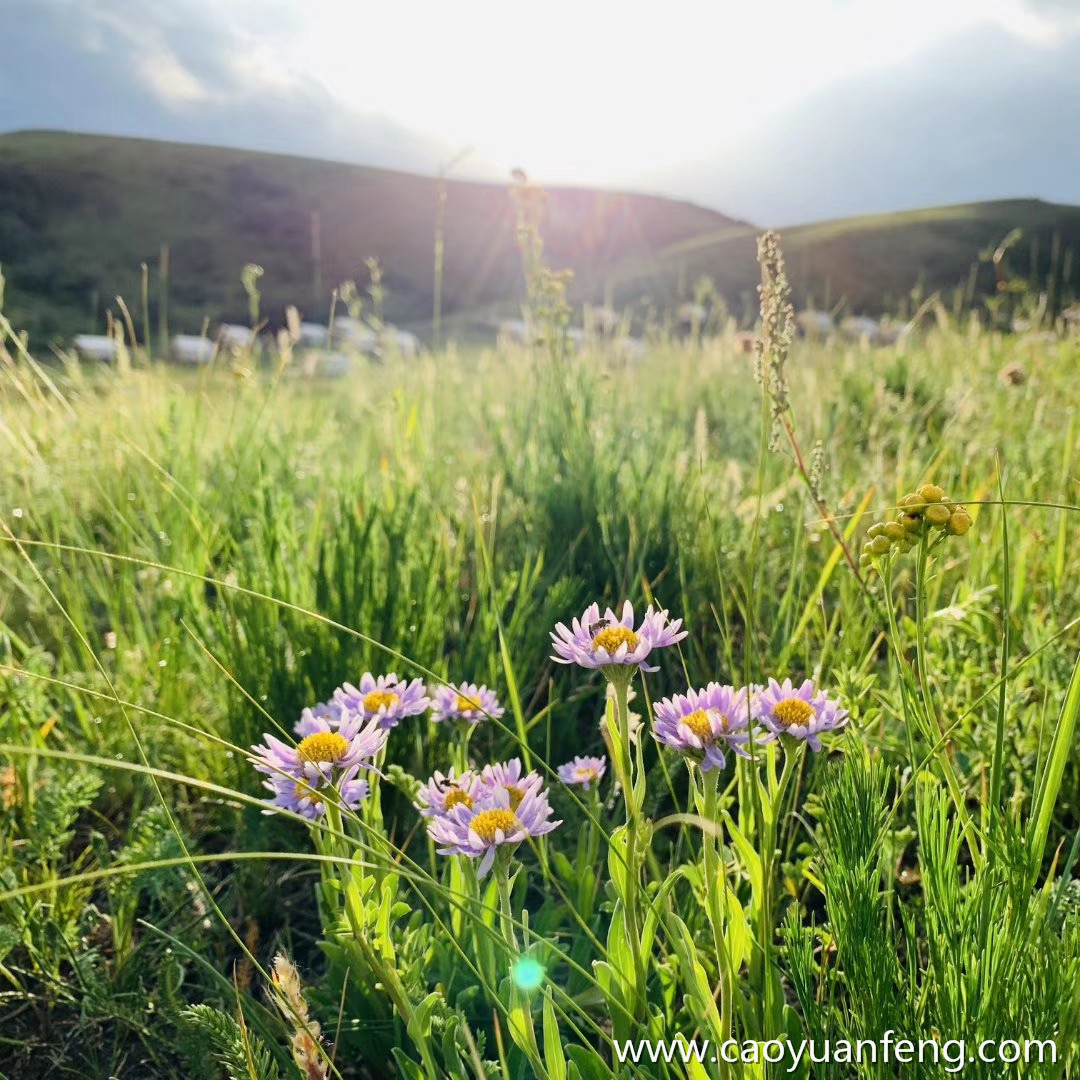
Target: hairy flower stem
[777, 790]
[624, 765]
[522, 1029]
[506, 914]
[715, 880]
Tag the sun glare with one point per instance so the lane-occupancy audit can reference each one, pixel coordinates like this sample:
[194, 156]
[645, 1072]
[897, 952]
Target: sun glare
[598, 91]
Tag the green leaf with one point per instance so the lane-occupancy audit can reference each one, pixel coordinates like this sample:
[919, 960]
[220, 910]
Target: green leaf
[1050, 786]
[588, 1063]
[554, 1055]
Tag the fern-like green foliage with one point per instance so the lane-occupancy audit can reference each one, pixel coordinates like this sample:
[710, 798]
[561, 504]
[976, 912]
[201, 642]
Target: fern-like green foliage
[56, 810]
[242, 1055]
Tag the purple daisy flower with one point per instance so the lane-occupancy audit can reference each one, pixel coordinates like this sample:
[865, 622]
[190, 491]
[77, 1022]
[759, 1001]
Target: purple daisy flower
[309, 721]
[612, 641]
[387, 697]
[584, 771]
[323, 751]
[703, 723]
[508, 776]
[478, 831]
[467, 702]
[309, 800]
[803, 712]
[442, 793]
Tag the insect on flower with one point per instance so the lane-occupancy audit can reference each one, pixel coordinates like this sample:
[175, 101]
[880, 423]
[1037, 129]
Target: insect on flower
[611, 641]
[442, 793]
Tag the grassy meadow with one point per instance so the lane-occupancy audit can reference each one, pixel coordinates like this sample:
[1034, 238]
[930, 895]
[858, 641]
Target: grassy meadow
[191, 559]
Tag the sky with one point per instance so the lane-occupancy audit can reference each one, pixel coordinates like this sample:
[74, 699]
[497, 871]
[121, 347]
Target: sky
[775, 111]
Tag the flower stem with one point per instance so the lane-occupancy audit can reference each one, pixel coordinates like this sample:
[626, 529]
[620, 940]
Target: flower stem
[633, 844]
[715, 879]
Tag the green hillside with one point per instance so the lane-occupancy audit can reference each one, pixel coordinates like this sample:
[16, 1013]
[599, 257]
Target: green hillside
[872, 263]
[79, 214]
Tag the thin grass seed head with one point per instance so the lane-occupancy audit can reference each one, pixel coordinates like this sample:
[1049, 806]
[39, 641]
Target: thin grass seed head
[777, 330]
[306, 1039]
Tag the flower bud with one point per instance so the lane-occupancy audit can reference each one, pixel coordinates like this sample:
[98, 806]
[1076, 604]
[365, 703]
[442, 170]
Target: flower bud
[932, 493]
[959, 522]
[937, 514]
[913, 503]
[875, 530]
[911, 522]
[880, 545]
[865, 559]
[895, 531]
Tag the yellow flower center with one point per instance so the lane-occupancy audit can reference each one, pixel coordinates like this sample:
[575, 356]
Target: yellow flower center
[488, 822]
[792, 711]
[305, 791]
[467, 704]
[698, 722]
[516, 795]
[584, 773]
[457, 797]
[323, 746]
[611, 637]
[379, 699]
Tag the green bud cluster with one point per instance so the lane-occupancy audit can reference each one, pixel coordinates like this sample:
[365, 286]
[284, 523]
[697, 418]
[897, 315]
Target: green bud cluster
[919, 513]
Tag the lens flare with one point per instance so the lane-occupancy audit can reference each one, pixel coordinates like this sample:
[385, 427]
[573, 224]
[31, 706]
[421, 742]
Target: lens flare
[527, 973]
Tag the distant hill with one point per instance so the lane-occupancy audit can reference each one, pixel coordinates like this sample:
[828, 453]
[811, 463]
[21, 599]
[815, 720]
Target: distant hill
[79, 214]
[872, 264]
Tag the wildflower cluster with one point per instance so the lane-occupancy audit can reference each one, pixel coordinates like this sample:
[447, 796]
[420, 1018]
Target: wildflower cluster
[475, 814]
[703, 724]
[920, 515]
[342, 739]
